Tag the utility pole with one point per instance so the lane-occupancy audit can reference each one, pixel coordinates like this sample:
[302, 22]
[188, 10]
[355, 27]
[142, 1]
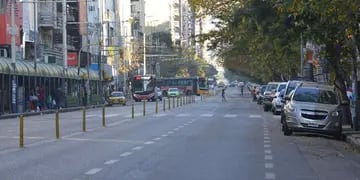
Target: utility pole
[35, 35]
[302, 56]
[64, 38]
[144, 53]
[13, 56]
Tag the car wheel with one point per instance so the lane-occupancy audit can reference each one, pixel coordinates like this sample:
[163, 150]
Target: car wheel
[273, 110]
[339, 136]
[286, 130]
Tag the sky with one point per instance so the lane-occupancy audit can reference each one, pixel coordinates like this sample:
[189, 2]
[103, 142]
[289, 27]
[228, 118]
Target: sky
[157, 11]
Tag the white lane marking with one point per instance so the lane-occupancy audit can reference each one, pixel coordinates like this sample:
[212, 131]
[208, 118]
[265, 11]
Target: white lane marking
[170, 132]
[206, 115]
[117, 123]
[267, 146]
[182, 115]
[254, 116]
[164, 135]
[112, 115]
[186, 124]
[91, 115]
[266, 134]
[93, 171]
[230, 116]
[104, 140]
[267, 141]
[269, 175]
[137, 148]
[176, 129]
[267, 151]
[25, 137]
[157, 139]
[149, 142]
[160, 115]
[268, 157]
[276, 117]
[269, 165]
[109, 162]
[266, 137]
[125, 154]
[181, 126]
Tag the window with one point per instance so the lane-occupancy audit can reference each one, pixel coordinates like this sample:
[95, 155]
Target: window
[3, 5]
[315, 95]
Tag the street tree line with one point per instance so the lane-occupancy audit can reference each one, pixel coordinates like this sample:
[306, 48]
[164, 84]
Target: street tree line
[262, 37]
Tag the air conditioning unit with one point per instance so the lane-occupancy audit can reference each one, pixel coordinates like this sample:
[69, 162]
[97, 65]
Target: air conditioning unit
[50, 59]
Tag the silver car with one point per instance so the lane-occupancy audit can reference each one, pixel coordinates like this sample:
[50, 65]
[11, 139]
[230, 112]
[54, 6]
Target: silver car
[312, 108]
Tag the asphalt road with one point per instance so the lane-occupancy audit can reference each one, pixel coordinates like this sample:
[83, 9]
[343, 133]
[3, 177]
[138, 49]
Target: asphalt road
[209, 139]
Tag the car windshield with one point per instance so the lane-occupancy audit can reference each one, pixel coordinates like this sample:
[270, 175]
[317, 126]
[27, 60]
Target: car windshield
[281, 87]
[117, 94]
[271, 87]
[315, 95]
[172, 90]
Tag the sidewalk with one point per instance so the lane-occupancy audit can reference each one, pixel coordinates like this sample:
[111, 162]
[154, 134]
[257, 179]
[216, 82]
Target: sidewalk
[351, 136]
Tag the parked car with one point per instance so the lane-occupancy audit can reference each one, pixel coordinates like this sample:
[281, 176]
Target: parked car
[260, 94]
[312, 108]
[173, 92]
[277, 102]
[269, 94]
[290, 87]
[117, 97]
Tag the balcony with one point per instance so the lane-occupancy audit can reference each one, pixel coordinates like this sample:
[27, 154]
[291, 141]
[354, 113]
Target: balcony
[47, 19]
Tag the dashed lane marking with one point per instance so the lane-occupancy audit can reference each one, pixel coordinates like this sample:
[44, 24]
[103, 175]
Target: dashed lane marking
[137, 148]
[266, 137]
[268, 157]
[160, 115]
[176, 129]
[267, 141]
[267, 151]
[149, 142]
[254, 116]
[157, 139]
[111, 162]
[269, 165]
[93, 171]
[267, 146]
[206, 115]
[183, 115]
[170, 132]
[230, 116]
[125, 154]
[164, 135]
[269, 175]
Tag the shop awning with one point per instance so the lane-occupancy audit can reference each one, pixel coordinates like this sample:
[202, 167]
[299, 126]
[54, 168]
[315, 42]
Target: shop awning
[26, 68]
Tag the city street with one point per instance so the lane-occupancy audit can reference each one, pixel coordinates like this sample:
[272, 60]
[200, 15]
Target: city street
[205, 140]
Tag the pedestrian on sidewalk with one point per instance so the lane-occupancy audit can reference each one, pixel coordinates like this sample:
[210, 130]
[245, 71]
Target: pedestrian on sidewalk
[223, 95]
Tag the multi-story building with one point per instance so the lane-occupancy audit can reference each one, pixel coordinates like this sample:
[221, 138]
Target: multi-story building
[182, 23]
[5, 39]
[138, 15]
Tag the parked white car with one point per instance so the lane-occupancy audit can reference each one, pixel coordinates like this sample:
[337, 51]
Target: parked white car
[277, 103]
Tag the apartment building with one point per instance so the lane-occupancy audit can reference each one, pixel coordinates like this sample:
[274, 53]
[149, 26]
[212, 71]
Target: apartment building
[182, 23]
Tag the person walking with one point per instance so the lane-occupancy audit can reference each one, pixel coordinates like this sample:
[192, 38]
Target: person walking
[223, 95]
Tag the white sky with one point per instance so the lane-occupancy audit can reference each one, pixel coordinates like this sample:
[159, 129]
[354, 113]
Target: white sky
[157, 11]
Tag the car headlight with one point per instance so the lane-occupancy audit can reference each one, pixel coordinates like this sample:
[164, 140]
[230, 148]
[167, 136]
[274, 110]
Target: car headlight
[335, 113]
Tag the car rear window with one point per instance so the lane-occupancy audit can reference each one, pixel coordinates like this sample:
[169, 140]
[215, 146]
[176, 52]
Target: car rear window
[315, 95]
[271, 87]
[117, 94]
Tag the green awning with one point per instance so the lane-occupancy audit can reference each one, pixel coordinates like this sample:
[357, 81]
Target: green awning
[4, 67]
[71, 73]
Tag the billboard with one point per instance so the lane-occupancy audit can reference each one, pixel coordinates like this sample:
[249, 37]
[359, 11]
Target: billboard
[72, 59]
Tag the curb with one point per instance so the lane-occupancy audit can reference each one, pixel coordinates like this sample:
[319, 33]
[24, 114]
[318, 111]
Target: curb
[15, 115]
